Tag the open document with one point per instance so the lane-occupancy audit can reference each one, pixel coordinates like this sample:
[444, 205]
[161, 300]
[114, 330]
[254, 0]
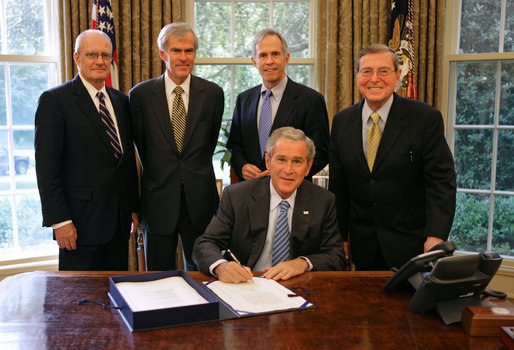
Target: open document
[262, 296]
[159, 294]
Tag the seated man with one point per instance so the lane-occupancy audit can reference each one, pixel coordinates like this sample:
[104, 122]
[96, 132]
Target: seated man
[254, 218]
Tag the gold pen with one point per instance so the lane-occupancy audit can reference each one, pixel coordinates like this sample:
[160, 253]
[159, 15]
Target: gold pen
[237, 261]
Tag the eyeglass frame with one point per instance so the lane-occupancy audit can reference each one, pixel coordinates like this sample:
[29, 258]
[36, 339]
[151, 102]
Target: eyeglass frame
[382, 72]
[105, 56]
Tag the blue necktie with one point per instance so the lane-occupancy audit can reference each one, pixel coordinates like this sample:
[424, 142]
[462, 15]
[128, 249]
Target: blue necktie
[265, 121]
[281, 238]
[109, 125]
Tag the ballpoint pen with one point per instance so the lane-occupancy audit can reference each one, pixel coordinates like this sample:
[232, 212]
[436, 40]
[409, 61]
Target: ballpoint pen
[237, 261]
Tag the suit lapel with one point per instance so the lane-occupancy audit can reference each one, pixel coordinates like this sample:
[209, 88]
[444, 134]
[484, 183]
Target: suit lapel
[258, 212]
[394, 127]
[356, 136]
[302, 215]
[196, 100]
[249, 121]
[284, 114]
[161, 111]
[87, 106]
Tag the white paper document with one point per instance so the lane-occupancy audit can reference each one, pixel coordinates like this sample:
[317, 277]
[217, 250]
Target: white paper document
[159, 294]
[261, 296]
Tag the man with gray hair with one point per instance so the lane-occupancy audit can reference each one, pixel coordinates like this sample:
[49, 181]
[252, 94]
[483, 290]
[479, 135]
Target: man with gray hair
[277, 102]
[279, 224]
[390, 168]
[176, 120]
[85, 163]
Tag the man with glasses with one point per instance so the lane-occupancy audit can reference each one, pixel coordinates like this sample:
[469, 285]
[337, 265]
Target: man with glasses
[390, 169]
[85, 163]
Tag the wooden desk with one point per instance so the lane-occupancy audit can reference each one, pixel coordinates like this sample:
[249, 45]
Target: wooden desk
[37, 311]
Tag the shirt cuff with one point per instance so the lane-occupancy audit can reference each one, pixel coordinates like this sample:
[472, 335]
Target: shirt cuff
[214, 265]
[61, 224]
[308, 262]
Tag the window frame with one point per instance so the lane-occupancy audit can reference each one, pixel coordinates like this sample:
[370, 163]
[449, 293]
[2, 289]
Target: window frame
[33, 260]
[451, 58]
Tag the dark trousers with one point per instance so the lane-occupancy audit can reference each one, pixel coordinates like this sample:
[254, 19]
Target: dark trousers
[161, 249]
[378, 263]
[112, 256]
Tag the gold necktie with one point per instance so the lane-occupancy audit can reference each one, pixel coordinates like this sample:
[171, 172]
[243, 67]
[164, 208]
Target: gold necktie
[178, 117]
[374, 136]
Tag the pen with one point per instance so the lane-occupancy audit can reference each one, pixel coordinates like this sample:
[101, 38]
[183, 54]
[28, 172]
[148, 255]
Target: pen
[237, 261]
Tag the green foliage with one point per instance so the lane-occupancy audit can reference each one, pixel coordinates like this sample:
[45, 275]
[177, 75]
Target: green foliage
[480, 26]
[6, 233]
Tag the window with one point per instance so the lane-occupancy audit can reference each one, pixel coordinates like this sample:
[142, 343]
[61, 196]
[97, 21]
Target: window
[479, 66]
[28, 66]
[226, 30]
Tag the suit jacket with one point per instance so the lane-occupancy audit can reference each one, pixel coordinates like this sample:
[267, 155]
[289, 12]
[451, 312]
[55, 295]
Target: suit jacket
[165, 170]
[79, 178]
[241, 224]
[301, 107]
[409, 194]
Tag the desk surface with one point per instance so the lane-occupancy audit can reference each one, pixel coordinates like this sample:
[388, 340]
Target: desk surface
[37, 311]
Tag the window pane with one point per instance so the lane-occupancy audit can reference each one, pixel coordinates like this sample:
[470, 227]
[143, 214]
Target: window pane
[31, 234]
[469, 230]
[476, 84]
[508, 45]
[291, 19]
[300, 73]
[480, 26]
[213, 28]
[473, 149]
[5, 184]
[505, 165]
[507, 94]
[251, 17]
[28, 81]
[24, 159]
[503, 228]
[25, 27]
[221, 75]
[6, 232]
[3, 110]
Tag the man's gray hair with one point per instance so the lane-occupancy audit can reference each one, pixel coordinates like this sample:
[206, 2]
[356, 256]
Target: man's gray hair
[177, 29]
[288, 132]
[377, 48]
[78, 40]
[264, 33]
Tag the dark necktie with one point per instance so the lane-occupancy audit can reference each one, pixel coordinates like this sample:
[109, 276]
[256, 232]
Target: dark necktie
[281, 238]
[109, 125]
[178, 118]
[265, 121]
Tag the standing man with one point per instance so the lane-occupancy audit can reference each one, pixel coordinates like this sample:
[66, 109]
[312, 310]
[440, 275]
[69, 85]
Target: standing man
[85, 163]
[279, 224]
[278, 102]
[390, 169]
[176, 121]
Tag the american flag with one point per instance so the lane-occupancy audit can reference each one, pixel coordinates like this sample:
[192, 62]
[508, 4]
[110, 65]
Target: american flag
[103, 20]
[402, 41]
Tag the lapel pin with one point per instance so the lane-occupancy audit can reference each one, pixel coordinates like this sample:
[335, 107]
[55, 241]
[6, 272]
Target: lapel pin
[305, 212]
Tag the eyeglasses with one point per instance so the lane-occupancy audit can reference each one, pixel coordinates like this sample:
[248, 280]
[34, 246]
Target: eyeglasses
[94, 55]
[368, 73]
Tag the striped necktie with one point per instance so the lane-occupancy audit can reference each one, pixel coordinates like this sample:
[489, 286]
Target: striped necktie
[109, 125]
[265, 121]
[178, 118]
[374, 136]
[281, 239]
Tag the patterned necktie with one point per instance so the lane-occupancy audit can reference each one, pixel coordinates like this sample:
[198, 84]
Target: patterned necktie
[178, 117]
[374, 136]
[109, 125]
[281, 238]
[265, 121]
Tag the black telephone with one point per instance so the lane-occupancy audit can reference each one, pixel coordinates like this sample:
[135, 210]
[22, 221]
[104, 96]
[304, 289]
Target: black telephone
[445, 282]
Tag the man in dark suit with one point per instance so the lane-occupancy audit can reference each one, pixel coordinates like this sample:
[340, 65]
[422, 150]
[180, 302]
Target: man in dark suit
[397, 201]
[176, 120]
[254, 218]
[290, 104]
[85, 168]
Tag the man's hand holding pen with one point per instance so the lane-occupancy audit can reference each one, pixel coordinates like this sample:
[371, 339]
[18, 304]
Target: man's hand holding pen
[232, 272]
